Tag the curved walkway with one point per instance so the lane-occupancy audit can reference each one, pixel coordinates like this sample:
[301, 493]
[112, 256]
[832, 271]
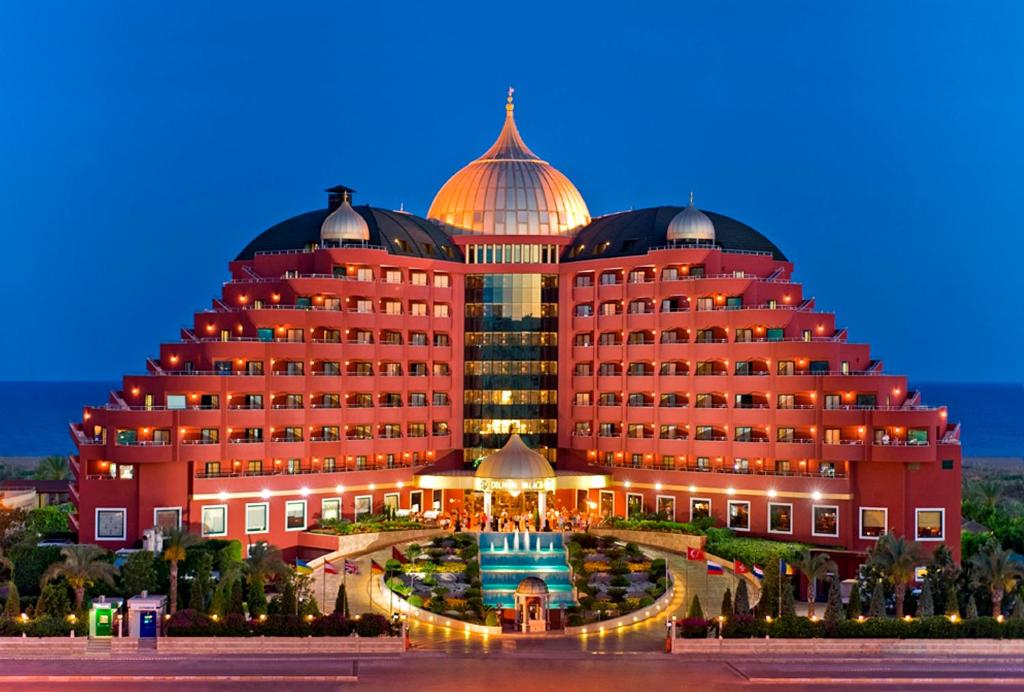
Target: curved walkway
[690, 577]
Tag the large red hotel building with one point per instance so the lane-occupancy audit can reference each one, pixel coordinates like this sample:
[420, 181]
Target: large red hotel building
[662, 359]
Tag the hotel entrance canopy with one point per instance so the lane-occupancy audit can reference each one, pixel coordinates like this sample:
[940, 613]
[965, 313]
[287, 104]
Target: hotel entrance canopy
[513, 468]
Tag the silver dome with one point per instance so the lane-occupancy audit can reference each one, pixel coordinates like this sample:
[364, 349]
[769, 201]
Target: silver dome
[344, 223]
[691, 224]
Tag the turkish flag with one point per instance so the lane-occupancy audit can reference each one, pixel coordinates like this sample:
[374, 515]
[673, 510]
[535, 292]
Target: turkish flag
[739, 567]
[694, 554]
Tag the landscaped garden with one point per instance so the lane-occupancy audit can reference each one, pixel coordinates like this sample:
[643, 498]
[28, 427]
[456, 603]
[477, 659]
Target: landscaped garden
[612, 579]
[368, 524]
[443, 577]
[212, 589]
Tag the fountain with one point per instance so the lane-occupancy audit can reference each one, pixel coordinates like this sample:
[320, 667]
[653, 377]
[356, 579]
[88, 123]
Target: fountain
[501, 569]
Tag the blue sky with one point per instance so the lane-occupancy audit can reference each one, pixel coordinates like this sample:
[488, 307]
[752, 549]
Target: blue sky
[878, 144]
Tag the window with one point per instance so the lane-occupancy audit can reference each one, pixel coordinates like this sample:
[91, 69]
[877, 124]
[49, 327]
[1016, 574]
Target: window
[257, 517]
[780, 517]
[917, 436]
[330, 509]
[666, 506]
[363, 506]
[417, 308]
[440, 309]
[699, 507]
[584, 310]
[825, 520]
[873, 521]
[583, 369]
[215, 520]
[418, 278]
[441, 281]
[166, 518]
[295, 515]
[110, 523]
[833, 402]
[833, 436]
[947, 464]
[634, 505]
[786, 367]
[391, 500]
[607, 503]
[739, 515]
[930, 524]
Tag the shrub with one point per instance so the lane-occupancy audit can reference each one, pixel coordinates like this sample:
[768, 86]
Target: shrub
[189, 623]
[416, 600]
[372, 625]
[492, 619]
[619, 580]
[333, 625]
[54, 600]
[695, 627]
[283, 626]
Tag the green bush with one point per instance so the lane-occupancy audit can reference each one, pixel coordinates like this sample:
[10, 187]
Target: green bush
[416, 600]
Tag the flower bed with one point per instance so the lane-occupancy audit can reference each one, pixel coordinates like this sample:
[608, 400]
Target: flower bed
[611, 579]
[343, 527]
[442, 577]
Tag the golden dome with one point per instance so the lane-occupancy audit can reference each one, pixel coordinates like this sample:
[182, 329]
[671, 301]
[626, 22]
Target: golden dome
[515, 461]
[509, 191]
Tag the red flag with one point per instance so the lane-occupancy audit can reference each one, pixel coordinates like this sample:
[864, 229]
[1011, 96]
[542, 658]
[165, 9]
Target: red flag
[397, 555]
[375, 568]
[739, 567]
[694, 554]
[329, 568]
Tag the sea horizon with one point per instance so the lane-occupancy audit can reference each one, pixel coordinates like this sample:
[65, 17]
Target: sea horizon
[989, 414]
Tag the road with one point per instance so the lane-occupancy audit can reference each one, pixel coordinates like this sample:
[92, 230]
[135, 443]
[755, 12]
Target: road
[530, 668]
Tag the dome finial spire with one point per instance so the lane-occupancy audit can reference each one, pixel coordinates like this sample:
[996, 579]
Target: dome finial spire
[691, 198]
[509, 105]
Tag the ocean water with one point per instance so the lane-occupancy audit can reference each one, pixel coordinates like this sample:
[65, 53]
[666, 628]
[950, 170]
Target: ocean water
[34, 416]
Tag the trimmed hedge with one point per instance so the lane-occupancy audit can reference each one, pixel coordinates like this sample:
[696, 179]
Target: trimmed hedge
[190, 623]
[43, 627]
[741, 627]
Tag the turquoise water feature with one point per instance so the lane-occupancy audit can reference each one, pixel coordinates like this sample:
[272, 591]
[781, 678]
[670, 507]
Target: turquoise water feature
[508, 558]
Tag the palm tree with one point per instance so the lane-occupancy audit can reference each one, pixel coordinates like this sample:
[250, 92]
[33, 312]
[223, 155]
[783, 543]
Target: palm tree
[264, 562]
[176, 542]
[987, 493]
[82, 567]
[813, 566]
[997, 571]
[897, 557]
[55, 468]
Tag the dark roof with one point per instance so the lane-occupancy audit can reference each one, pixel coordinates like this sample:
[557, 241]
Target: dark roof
[635, 232]
[37, 485]
[418, 237]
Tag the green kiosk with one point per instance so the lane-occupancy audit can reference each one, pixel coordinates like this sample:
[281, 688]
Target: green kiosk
[102, 616]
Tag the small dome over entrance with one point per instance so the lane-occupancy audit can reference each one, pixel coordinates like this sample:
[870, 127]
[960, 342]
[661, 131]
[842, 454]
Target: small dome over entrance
[532, 586]
[515, 461]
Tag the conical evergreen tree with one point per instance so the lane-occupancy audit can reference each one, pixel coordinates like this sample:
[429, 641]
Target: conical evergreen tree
[727, 603]
[787, 608]
[13, 607]
[952, 600]
[834, 610]
[877, 607]
[769, 603]
[972, 608]
[257, 600]
[696, 611]
[237, 604]
[289, 605]
[855, 608]
[195, 597]
[341, 602]
[219, 601]
[741, 604]
[926, 604]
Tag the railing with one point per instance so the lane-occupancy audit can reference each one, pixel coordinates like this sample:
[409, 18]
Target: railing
[142, 443]
[724, 470]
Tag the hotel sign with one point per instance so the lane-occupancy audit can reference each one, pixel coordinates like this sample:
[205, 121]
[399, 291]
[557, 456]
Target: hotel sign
[510, 485]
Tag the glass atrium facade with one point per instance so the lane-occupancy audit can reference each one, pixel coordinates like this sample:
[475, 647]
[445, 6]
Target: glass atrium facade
[511, 363]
